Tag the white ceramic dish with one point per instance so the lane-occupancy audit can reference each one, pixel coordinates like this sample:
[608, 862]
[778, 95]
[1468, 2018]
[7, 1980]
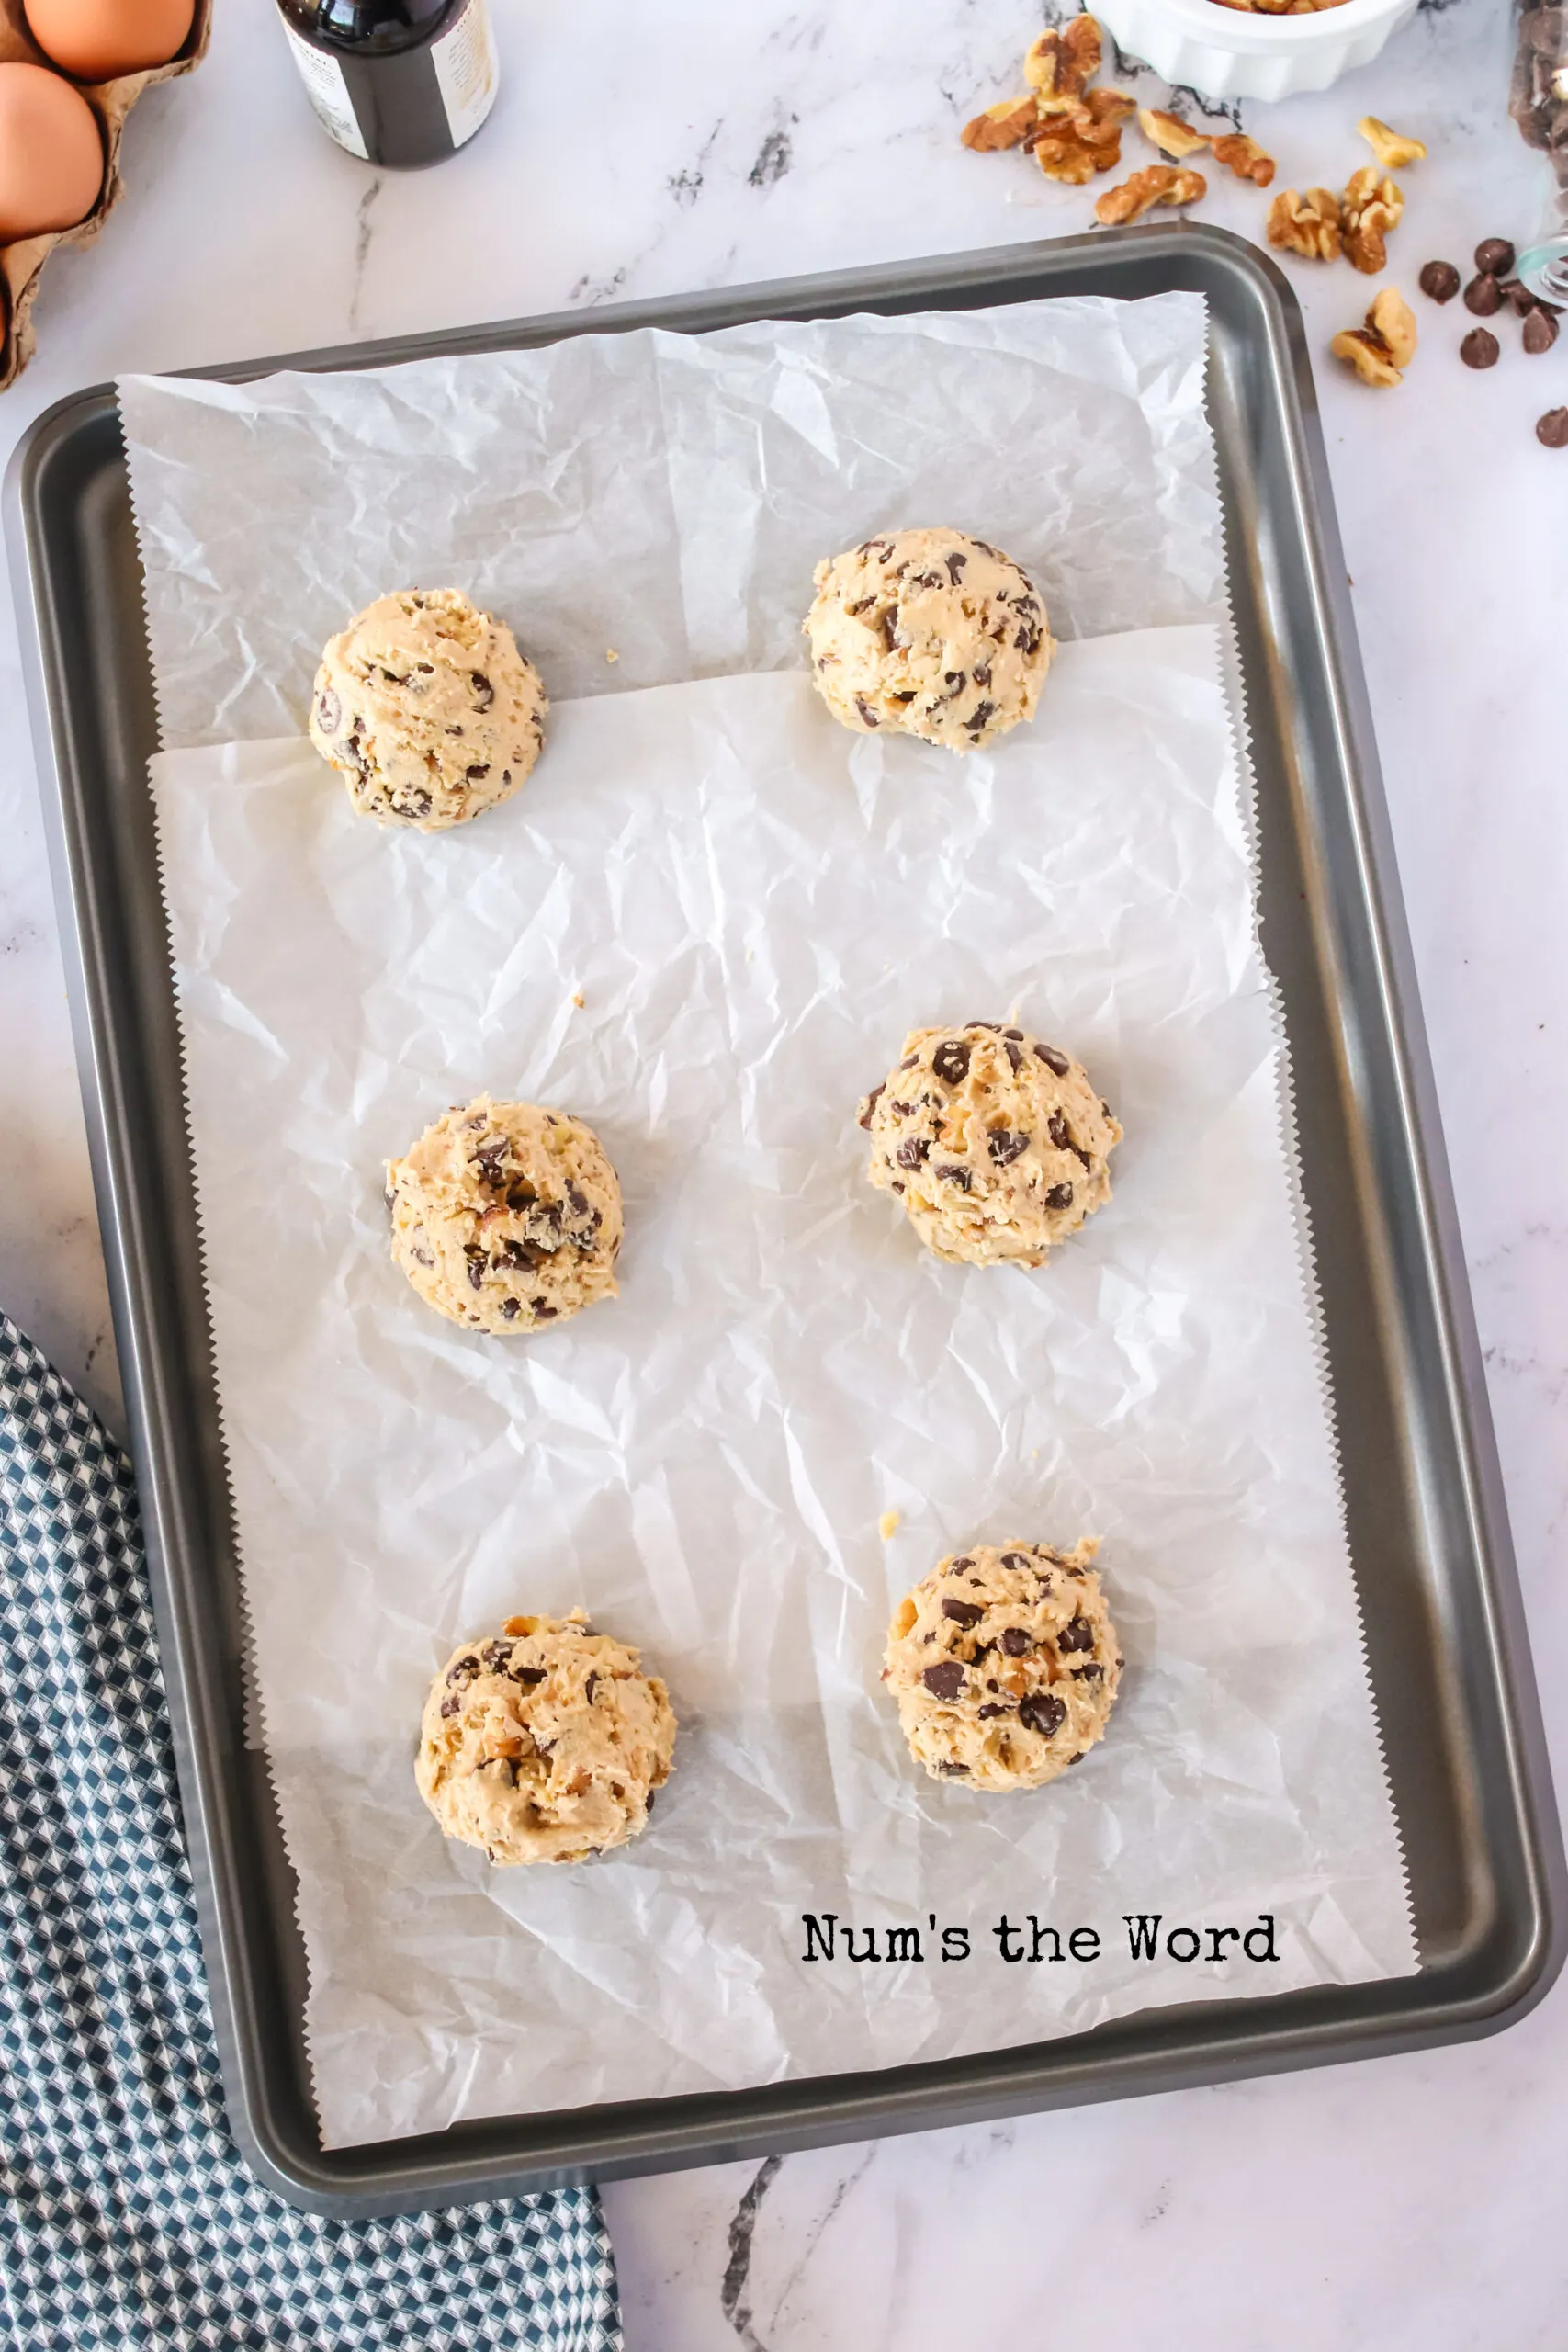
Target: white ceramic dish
[1236, 53]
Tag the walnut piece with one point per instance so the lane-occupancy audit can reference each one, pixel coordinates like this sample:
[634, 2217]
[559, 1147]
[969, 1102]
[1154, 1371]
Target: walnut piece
[1390, 148]
[1170, 133]
[1368, 209]
[1007, 124]
[1083, 140]
[1246, 159]
[1308, 225]
[1059, 66]
[1384, 345]
[1161, 184]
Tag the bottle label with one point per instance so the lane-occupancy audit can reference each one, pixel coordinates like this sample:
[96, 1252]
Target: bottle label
[464, 59]
[328, 93]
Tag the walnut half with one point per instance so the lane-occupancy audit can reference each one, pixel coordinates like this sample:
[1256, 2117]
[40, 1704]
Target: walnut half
[1246, 158]
[1385, 344]
[1308, 225]
[1170, 133]
[1371, 206]
[1007, 124]
[1391, 149]
[1059, 66]
[1161, 184]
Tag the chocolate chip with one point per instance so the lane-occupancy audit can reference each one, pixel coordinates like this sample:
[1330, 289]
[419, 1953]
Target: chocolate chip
[479, 770]
[528, 1676]
[329, 711]
[962, 1613]
[464, 1668]
[980, 716]
[510, 1310]
[902, 1110]
[946, 1680]
[950, 1061]
[982, 674]
[995, 1026]
[543, 1311]
[521, 1194]
[490, 1161]
[913, 1150]
[1517, 296]
[1015, 1642]
[1042, 1712]
[484, 693]
[889, 634]
[1078, 1635]
[1059, 1132]
[954, 1772]
[1060, 1196]
[1495, 256]
[955, 564]
[866, 712]
[496, 1655]
[589, 1687]
[963, 1562]
[478, 1262]
[1541, 333]
[955, 1175]
[1015, 1559]
[1439, 279]
[1552, 430]
[1015, 1055]
[452, 1705]
[996, 1709]
[1480, 348]
[871, 1101]
[954, 678]
[1484, 296]
[1088, 1673]
[1054, 1060]
[1004, 1148]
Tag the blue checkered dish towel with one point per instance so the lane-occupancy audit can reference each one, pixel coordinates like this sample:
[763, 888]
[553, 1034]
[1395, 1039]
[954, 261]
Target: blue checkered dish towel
[126, 2219]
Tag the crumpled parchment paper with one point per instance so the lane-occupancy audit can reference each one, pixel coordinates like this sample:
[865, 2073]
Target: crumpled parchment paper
[754, 905]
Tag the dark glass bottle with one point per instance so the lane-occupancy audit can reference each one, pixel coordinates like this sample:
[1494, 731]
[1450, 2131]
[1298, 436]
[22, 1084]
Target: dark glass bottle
[401, 83]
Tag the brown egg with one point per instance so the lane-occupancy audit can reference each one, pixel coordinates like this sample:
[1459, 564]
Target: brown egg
[51, 154]
[96, 40]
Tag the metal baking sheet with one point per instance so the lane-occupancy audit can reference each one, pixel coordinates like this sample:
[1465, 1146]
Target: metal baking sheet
[1428, 1532]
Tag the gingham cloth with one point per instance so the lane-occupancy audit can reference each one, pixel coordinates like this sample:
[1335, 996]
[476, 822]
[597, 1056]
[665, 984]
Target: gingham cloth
[127, 2217]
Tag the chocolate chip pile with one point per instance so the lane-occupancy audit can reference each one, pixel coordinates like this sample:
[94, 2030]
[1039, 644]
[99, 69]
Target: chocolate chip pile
[1492, 290]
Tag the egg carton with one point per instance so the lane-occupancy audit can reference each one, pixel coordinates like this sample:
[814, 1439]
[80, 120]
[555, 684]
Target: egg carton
[21, 265]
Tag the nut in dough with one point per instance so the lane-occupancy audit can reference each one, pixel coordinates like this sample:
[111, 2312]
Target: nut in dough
[546, 1744]
[1004, 1665]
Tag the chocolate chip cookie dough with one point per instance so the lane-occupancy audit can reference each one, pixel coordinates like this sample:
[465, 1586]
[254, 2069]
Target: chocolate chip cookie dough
[995, 1143]
[1004, 1664]
[927, 633]
[427, 710]
[507, 1217]
[544, 1745]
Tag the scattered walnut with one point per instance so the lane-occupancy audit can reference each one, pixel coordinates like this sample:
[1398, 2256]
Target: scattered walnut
[1308, 225]
[1161, 184]
[1063, 153]
[1392, 317]
[1170, 133]
[1059, 66]
[1368, 209]
[1246, 159]
[1110, 106]
[1007, 124]
[1391, 149]
[1385, 344]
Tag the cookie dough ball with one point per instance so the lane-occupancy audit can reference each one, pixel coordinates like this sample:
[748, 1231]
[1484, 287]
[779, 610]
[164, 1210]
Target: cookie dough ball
[1004, 1664]
[995, 1143]
[927, 633]
[427, 710]
[544, 1745]
[507, 1217]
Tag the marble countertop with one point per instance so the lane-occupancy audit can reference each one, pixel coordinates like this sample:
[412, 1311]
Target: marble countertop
[1409, 2203]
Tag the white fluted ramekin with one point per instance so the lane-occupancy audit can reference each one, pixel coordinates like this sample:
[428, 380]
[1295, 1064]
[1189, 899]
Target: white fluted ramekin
[1241, 53]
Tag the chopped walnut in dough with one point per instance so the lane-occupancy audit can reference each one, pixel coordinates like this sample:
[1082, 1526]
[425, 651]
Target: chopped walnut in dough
[1059, 66]
[1170, 133]
[1368, 209]
[1246, 158]
[1007, 124]
[1381, 348]
[1390, 148]
[1161, 184]
[1308, 225]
